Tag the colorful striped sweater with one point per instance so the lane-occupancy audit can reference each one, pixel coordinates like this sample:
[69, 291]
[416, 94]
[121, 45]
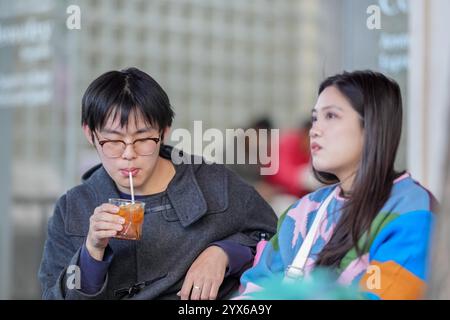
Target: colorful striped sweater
[398, 247]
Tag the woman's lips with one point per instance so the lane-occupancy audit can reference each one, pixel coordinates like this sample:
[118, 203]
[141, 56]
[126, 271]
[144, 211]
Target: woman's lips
[125, 172]
[315, 147]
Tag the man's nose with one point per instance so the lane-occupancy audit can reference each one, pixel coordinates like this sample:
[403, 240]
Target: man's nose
[129, 152]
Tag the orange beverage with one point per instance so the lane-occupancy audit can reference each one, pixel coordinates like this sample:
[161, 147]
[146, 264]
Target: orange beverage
[133, 213]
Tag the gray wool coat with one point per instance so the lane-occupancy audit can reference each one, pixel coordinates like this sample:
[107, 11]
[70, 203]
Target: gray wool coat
[209, 203]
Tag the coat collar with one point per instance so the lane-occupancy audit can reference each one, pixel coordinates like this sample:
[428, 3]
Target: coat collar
[183, 191]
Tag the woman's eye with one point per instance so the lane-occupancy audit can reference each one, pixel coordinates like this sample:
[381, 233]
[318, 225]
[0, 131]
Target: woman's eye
[330, 115]
[313, 118]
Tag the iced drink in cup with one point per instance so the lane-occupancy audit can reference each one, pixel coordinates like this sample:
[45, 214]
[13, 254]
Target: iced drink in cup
[133, 213]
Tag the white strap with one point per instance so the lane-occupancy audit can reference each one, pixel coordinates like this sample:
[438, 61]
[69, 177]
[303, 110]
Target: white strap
[295, 270]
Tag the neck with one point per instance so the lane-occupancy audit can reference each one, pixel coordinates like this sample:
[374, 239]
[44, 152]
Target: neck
[347, 183]
[160, 178]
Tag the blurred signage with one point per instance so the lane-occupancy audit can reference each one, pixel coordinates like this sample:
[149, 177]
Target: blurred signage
[26, 66]
[394, 39]
[384, 48]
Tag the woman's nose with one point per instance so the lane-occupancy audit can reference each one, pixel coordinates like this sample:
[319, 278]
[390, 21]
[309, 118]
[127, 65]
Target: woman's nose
[314, 131]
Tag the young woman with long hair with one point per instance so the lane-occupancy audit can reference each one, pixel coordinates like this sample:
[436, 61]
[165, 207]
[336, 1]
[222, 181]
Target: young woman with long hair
[370, 225]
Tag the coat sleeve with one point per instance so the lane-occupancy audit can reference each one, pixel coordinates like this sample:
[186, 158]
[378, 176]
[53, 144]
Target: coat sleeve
[269, 265]
[256, 217]
[253, 217]
[59, 273]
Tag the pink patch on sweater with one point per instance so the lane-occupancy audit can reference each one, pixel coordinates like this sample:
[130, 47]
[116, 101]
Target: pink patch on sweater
[354, 269]
[323, 232]
[300, 215]
[402, 177]
[251, 287]
[309, 266]
[326, 236]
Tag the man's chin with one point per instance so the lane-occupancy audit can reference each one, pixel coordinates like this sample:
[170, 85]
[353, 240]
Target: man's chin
[125, 183]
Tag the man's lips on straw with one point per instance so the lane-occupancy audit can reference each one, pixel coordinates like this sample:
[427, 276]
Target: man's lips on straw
[125, 172]
[131, 185]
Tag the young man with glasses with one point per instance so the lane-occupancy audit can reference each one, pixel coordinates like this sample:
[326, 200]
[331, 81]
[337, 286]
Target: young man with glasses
[201, 222]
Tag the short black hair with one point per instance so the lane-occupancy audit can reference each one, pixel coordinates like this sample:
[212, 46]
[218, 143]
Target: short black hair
[119, 93]
[262, 123]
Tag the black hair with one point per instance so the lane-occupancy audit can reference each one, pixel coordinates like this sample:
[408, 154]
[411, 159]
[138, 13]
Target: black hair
[120, 93]
[261, 123]
[378, 101]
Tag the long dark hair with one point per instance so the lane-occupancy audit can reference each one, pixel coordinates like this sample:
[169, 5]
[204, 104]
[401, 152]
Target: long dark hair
[378, 101]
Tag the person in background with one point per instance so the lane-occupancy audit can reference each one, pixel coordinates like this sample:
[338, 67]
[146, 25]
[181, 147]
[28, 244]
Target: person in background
[251, 172]
[294, 176]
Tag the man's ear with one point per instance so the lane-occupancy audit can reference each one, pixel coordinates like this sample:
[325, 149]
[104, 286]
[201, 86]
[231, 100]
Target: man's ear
[165, 133]
[88, 134]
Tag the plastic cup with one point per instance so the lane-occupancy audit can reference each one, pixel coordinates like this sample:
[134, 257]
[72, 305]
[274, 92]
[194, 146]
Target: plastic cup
[133, 213]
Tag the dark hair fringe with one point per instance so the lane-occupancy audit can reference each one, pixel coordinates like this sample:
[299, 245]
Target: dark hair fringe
[122, 93]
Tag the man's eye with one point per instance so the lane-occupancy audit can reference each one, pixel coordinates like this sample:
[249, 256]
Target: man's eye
[114, 142]
[143, 139]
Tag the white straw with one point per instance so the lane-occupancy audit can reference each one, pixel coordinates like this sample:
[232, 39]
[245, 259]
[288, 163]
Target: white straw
[131, 186]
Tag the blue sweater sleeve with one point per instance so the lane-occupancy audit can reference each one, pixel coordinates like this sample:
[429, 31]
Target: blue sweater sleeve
[399, 258]
[93, 272]
[239, 256]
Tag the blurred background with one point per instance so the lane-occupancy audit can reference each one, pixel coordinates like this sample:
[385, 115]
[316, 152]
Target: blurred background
[230, 63]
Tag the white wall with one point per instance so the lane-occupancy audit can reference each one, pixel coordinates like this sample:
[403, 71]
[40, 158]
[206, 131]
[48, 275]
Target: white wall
[429, 99]
[6, 232]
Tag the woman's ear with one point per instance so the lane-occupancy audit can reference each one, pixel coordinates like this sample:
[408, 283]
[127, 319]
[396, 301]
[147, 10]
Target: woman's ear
[88, 134]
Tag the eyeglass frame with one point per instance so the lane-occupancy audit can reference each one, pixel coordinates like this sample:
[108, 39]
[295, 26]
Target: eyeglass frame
[102, 142]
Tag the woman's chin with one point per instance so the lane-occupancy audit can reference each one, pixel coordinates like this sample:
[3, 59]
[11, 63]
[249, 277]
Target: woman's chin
[320, 167]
